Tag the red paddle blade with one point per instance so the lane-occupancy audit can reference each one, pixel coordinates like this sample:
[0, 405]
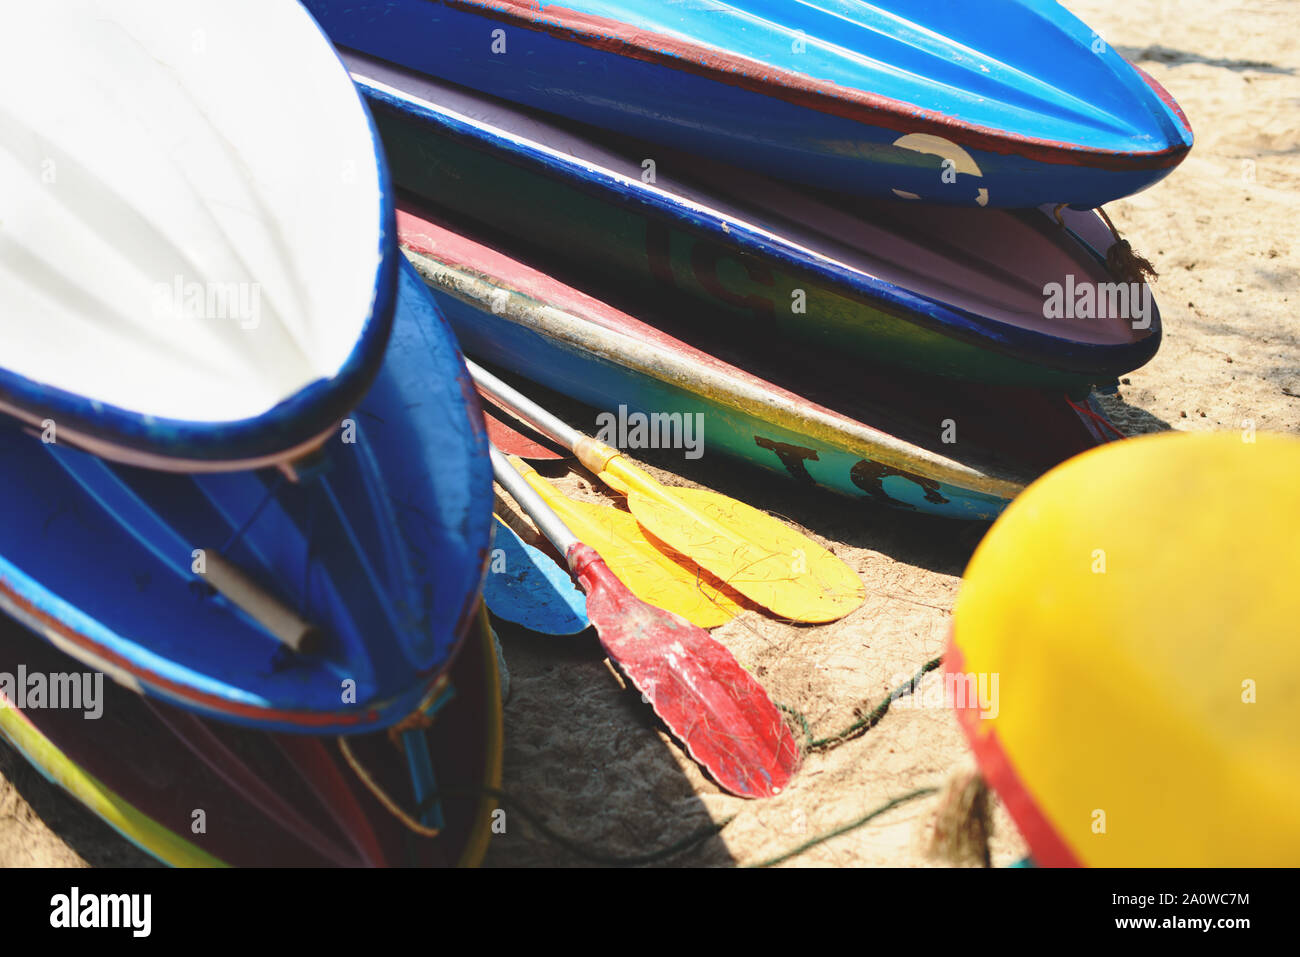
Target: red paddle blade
[513, 437]
[711, 704]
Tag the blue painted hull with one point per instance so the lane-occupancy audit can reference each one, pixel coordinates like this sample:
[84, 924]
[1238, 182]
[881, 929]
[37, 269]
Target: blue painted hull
[1019, 106]
[510, 172]
[381, 545]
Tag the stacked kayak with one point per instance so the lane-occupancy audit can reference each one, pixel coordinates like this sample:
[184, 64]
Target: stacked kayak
[953, 292]
[863, 432]
[327, 604]
[245, 468]
[859, 246]
[1017, 106]
[267, 800]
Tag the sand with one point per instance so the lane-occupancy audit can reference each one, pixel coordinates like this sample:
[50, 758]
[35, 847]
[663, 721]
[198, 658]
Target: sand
[588, 757]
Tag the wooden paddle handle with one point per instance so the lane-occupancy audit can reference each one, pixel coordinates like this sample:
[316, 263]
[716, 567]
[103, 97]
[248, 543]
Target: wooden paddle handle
[268, 611]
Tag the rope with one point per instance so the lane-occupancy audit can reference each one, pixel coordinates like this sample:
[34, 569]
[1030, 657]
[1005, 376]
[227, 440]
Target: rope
[845, 828]
[380, 795]
[864, 723]
[1121, 260]
[419, 719]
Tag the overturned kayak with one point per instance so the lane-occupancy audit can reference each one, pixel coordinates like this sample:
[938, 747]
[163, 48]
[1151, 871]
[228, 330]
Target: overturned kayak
[195, 793]
[328, 602]
[1017, 106]
[1123, 657]
[929, 444]
[197, 270]
[1011, 298]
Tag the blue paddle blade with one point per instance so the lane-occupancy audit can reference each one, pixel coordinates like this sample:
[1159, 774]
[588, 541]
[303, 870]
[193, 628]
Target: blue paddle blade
[526, 587]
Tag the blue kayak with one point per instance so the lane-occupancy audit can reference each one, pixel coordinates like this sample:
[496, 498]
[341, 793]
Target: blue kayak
[326, 602]
[954, 291]
[1016, 104]
[198, 268]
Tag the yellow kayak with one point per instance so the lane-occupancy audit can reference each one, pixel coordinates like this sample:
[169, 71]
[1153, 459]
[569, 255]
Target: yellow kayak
[1124, 656]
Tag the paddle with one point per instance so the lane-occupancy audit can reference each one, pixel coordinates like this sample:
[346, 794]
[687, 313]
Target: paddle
[750, 551]
[525, 586]
[661, 578]
[712, 705]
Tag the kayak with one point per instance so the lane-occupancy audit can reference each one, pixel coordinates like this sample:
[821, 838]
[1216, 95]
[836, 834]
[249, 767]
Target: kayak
[198, 267]
[1123, 658]
[1005, 297]
[266, 800]
[812, 417]
[328, 602]
[1019, 106]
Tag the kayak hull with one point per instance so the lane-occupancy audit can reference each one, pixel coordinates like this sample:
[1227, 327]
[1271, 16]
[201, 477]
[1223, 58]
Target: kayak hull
[380, 547]
[683, 81]
[658, 241]
[1111, 686]
[144, 769]
[510, 315]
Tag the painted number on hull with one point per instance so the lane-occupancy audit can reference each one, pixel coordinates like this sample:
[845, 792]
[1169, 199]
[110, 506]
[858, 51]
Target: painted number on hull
[867, 475]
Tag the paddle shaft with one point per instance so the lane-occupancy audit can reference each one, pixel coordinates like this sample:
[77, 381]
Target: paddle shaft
[591, 453]
[524, 407]
[550, 524]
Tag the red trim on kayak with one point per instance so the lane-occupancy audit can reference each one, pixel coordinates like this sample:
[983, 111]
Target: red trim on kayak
[1049, 849]
[824, 96]
[201, 699]
[1165, 96]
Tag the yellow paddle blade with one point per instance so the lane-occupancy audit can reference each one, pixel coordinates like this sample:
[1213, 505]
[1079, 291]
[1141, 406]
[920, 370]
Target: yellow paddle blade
[651, 574]
[1124, 657]
[753, 553]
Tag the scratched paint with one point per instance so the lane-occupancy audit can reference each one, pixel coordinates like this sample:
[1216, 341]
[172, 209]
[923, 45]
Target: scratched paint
[716, 708]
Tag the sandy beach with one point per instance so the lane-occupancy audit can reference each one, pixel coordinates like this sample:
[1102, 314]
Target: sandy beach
[587, 757]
